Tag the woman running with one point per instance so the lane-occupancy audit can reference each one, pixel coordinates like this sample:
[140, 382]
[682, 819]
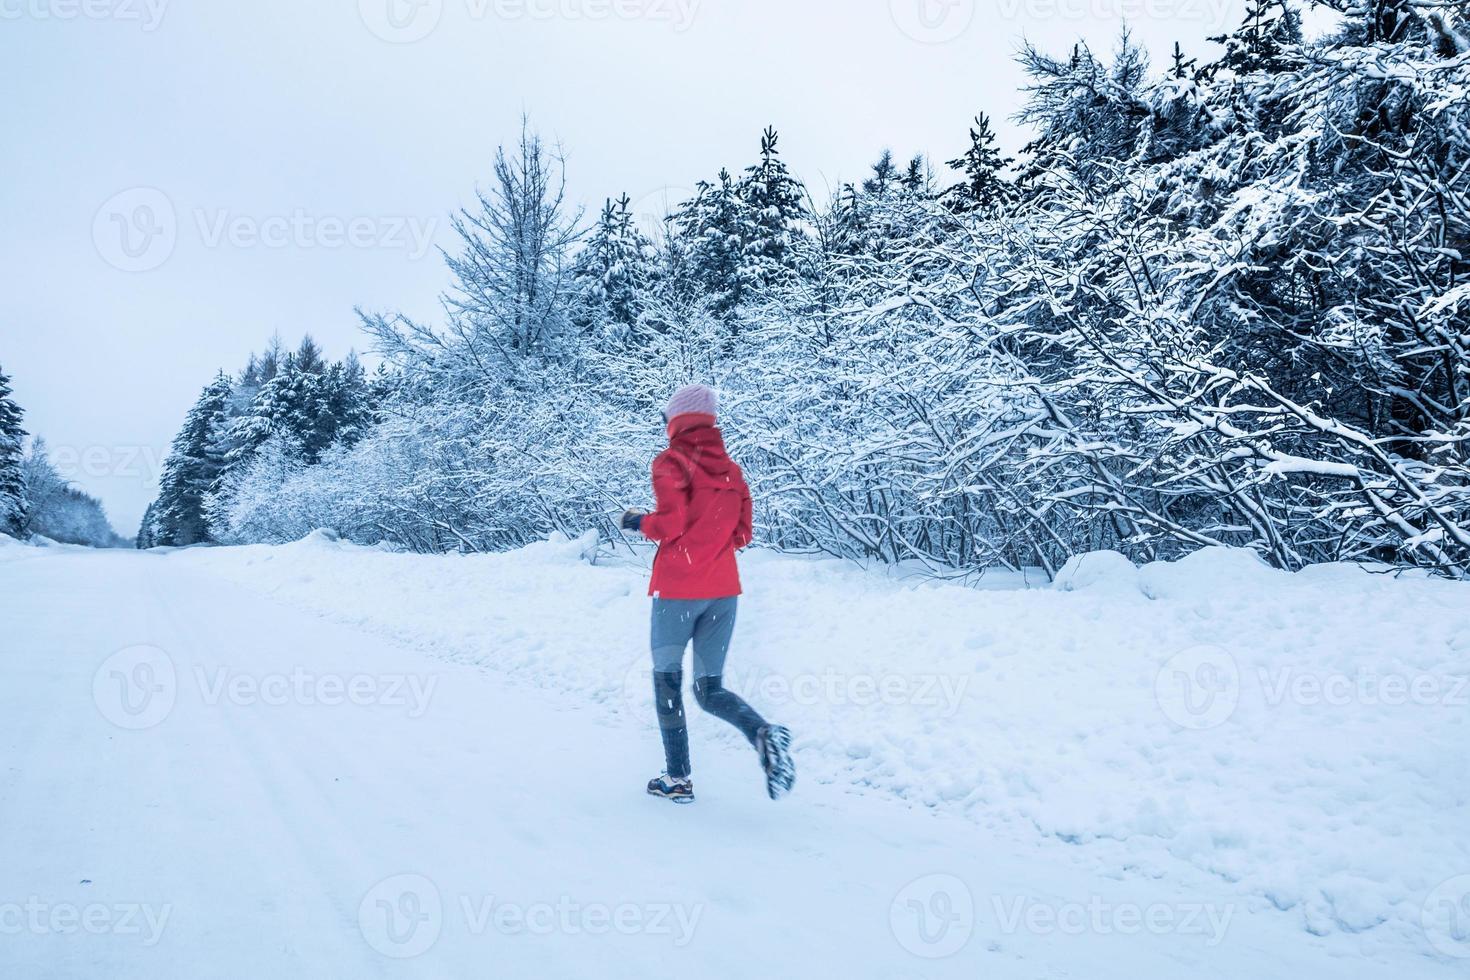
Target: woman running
[702, 517]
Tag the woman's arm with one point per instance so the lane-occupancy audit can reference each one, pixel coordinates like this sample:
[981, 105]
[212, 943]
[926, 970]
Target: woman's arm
[671, 499]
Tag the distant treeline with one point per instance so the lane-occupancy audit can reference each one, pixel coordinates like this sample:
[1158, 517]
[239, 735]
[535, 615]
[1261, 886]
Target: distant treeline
[35, 499]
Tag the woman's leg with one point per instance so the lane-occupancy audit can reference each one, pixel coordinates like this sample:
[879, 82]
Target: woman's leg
[668, 696]
[712, 632]
[671, 626]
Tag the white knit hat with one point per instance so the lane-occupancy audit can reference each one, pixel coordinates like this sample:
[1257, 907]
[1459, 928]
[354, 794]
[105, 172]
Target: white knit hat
[692, 398]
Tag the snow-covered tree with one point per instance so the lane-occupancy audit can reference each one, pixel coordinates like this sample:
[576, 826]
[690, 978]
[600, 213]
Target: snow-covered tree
[513, 270]
[13, 502]
[1087, 112]
[615, 270]
[737, 238]
[60, 511]
[711, 233]
[982, 167]
[259, 505]
[308, 400]
[347, 406]
[884, 177]
[775, 211]
[1267, 41]
[147, 536]
[191, 469]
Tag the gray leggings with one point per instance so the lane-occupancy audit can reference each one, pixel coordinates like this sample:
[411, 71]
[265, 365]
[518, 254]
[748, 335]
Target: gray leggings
[708, 622]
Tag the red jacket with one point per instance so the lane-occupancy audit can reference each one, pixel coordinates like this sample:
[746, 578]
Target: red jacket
[702, 516]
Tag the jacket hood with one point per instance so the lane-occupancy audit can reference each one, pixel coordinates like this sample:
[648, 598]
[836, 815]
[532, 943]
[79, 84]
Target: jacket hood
[694, 436]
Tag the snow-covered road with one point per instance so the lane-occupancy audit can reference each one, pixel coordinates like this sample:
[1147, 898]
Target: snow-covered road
[198, 780]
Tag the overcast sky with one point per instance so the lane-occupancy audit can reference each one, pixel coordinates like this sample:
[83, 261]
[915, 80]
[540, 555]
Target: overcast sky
[182, 179]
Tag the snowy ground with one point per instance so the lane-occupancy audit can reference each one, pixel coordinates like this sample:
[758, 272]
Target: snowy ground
[320, 760]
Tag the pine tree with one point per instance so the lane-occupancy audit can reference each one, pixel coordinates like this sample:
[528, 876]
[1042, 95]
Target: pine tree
[848, 220]
[192, 467]
[13, 497]
[711, 229]
[1090, 116]
[268, 364]
[888, 209]
[885, 176]
[775, 210]
[309, 357]
[260, 370]
[917, 178]
[1181, 67]
[1263, 43]
[384, 383]
[304, 405]
[1181, 119]
[148, 528]
[614, 271]
[346, 406]
[308, 402]
[289, 404]
[736, 238]
[981, 164]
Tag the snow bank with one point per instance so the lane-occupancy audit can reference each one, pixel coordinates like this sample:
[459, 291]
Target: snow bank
[1097, 569]
[1300, 736]
[10, 547]
[13, 549]
[1209, 571]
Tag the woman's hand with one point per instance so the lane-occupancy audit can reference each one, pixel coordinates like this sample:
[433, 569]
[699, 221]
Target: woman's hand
[632, 519]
